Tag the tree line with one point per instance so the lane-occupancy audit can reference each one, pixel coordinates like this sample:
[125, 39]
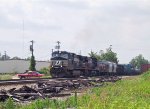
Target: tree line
[111, 56]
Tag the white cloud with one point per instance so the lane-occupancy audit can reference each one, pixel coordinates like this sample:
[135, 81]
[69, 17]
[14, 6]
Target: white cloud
[78, 24]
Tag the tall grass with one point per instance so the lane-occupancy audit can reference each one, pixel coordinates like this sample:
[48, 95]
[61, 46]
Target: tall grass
[5, 76]
[133, 93]
[124, 94]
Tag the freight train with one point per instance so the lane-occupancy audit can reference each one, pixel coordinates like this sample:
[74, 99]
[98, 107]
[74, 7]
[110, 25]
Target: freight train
[66, 64]
[127, 69]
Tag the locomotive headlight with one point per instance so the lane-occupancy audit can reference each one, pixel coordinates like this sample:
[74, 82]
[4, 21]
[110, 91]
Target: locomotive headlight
[61, 66]
[52, 65]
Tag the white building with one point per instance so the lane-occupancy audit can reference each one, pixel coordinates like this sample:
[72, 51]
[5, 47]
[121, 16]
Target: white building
[19, 66]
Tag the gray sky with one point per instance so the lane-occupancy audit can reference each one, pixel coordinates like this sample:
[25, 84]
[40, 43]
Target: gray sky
[79, 24]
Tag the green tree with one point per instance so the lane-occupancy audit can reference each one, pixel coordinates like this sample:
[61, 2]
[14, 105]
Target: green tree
[109, 55]
[93, 54]
[32, 64]
[138, 61]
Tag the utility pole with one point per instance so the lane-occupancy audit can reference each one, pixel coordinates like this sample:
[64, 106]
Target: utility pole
[57, 46]
[5, 55]
[52, 50]
[101, 52]
[31, 47]
[110, 47]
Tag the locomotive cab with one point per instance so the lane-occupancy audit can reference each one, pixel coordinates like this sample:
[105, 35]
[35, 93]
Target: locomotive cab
[61, 63]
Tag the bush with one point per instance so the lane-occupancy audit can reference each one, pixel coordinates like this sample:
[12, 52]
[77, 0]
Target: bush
[44, 70]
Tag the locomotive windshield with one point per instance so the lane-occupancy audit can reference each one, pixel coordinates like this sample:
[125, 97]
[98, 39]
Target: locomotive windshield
[60, 54]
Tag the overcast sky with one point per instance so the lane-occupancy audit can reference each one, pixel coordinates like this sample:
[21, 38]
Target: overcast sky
[80, 25]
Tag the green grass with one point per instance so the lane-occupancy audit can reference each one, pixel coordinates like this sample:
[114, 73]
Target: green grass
[6, 76]
[124, 94]
[133, 93]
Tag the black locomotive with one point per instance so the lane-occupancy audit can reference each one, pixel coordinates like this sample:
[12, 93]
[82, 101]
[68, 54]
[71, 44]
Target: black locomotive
[66, 64]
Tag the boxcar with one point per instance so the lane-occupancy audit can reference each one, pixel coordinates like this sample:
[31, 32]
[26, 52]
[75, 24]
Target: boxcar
[145, 67]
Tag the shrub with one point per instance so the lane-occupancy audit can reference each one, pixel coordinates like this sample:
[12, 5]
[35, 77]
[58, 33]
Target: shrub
[44, 70]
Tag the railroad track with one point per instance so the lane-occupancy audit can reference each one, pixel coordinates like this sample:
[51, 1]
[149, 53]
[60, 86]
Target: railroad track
[35, 80]
[49, 87]
[31, 80]
[22, 81]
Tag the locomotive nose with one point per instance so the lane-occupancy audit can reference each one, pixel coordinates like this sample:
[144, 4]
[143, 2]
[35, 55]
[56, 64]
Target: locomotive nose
[57, 63]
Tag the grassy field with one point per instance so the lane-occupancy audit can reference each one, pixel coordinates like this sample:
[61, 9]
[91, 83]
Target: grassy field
[6, 76]
[131, 93]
